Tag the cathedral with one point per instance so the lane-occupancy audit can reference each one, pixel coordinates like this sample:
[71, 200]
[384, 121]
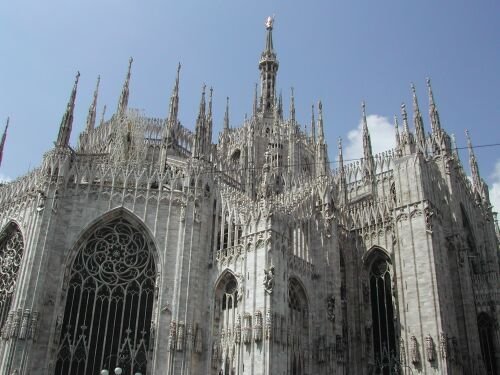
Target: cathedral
[149, 249]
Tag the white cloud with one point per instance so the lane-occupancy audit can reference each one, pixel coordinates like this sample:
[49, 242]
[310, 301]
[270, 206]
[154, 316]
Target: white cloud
[381, 134]
[495, 187]
[4, 178]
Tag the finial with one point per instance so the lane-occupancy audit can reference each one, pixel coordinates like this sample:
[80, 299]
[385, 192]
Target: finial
[339, 143]
[292, 105]
[363, 115]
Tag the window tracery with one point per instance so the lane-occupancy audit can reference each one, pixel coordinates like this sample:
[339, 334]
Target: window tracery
[11, 253]
[109, 303]
[384, 335]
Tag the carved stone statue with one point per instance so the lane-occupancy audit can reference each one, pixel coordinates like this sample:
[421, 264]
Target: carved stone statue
[269, 280]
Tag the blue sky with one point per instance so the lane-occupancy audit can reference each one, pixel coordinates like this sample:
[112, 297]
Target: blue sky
[339, 52]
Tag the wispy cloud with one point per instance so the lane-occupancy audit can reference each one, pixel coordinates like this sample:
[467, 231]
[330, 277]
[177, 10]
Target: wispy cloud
[4, 178]
[381, 134]
[495, 187]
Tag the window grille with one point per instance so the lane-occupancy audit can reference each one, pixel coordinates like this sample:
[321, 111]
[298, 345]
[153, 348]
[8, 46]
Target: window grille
[11, 253]
[109, 303]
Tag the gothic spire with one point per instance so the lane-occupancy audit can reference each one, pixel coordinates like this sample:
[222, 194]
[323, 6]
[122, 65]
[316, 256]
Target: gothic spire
[4, 137]
[200, 131]
[433, 112]
[396, 133]
[474, 169]
[255, 105]
[123, 101]
[321, 134]
[292, 106]
[313, 125]
[209, 123]
[280, 105]
[226, 115]
[418, 122]
[67, 120]
[407, 140]
[93, 108]
[173, 109]
[367, 143]
[454, 148]
[341, 156]
[102, 115]
[268, 66]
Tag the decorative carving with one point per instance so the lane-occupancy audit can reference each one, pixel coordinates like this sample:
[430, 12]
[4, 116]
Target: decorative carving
[172, 335]
[14, 328]
[237, 338]
[247, 331]
[257, 328]
[239, 278]
[24, 324]
[402, 352]
[269, 280]
[189, 336]
[428, 219]
[180, 336]
[330, 308]
[6, 326]
[269, 324]
[57, 331]
[152, 335]
[414, 355]
[429, 348]
[443, 345]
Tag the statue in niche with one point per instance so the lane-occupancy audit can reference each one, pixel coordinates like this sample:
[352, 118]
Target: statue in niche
[269, 280]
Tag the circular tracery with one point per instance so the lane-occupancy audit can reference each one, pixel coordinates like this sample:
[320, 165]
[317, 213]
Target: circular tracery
[107, 319]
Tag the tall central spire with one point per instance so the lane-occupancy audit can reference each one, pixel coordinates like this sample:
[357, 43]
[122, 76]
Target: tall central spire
[268, 67]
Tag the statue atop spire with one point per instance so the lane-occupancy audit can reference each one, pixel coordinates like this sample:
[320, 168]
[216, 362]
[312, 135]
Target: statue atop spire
[407, 140]
[2, 142]
[67, 120]
[321, 133]
[268, 66]
[123, 101]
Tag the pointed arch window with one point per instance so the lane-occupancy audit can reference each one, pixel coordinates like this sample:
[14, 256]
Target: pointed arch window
[486, 326]
[226, 324]
[298, 323]
[109, 303]
[384, 335]
[11, 254]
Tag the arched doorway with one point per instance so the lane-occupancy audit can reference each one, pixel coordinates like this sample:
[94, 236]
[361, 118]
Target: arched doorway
[298, 323]
[109, 302]
[11, 254]
[486, 327]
